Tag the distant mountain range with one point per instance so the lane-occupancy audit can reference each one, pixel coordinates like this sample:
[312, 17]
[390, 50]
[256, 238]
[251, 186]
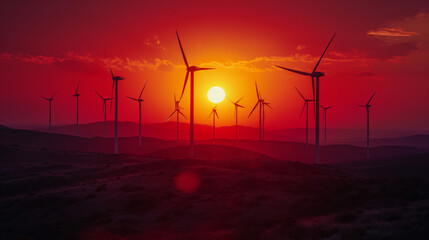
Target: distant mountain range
[167, 131]
[282, 150]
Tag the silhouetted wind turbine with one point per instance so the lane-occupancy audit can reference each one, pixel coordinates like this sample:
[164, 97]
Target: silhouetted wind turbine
[140, 100]
[236, 105]
[324, 116]
[192, 70]
[115, 80]
[76, 95]
[306, 117]
[50, 109]
[316, 96]
[177, 110]
[367, 106]
[104, 110]
[214, 113]
[263, 117]
[260, 104]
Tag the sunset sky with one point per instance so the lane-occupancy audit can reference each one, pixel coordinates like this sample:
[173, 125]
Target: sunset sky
[382, 46]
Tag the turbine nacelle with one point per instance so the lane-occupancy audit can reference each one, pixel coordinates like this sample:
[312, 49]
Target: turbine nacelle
[117, 78]
[317, 74]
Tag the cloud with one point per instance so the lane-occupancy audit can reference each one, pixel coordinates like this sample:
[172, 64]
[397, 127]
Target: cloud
[88, 63]
[154, 42]
[392, 32]
[300, 47]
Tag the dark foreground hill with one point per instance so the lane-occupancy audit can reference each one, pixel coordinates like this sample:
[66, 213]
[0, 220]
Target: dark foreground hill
[50, 194]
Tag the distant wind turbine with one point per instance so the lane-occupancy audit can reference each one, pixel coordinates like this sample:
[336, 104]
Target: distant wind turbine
[104, 110]
[214, 113]
[324, 116]
[50, 109]
[192, 70]
[367, 106]
[263, 117]
[317, 75]
[76, 95]
[236, 105]
[177, 110]
[306, 117]
[140, 100]
[260, 104]
[115, 83]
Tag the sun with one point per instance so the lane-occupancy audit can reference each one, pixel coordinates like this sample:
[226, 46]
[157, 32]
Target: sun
[216, 94]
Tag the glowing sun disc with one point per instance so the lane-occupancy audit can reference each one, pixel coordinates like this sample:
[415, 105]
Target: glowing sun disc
[216, 94]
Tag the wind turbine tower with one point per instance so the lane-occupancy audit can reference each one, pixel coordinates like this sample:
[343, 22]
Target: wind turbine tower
[314, 75]
[140, 100]
[191, 70]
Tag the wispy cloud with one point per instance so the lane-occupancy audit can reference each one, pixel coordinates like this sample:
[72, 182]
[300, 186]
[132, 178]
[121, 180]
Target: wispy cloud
[392, 32]
[115, 62]
[154, 42]
[257, 64]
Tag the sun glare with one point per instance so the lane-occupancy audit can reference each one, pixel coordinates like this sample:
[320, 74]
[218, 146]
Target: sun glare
[216, 94]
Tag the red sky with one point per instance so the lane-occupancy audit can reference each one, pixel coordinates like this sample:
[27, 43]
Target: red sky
[382, 46]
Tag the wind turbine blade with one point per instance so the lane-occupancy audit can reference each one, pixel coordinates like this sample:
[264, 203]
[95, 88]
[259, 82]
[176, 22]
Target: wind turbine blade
[329, 107]
[239, 100]
[312, 85]
[111, 72]
[99, 95]
[210, 114]
[371, 98]
[183, 115]
[183, 53]
[77, 88]
[184, 85]
[216, 114]
[44, 98]
[303, 107]
[171, 115]
[257, 91]
[53, 95]
[132, 98]
[113, 86]
[142, 90]
[238, 105]
[268, 105]
[253, 108]
[300, 94]
[320, 59]
[199, 69]
[175, 99]
[295, 71]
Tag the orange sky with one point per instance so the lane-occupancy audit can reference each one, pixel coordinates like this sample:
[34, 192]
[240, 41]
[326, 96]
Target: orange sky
[50, 47]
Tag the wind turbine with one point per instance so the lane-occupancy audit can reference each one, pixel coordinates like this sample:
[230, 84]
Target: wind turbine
[317, 75]
[236, 105]
[214, 113]
[140, 100]
[104, 110]
[76, 95]
[177, 110]
[192, 70]
[263, 117]
[324, 116]
[115, 80]
[50, 109]
[306, 117]
[260, 104]
[367, 106]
